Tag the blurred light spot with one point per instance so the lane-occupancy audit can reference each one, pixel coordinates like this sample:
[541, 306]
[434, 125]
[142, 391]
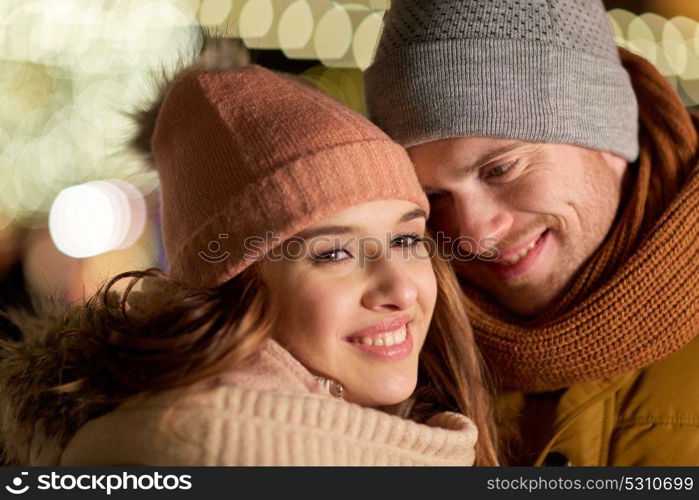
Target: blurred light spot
[691, 88]
[686, 26]
[131, 201]
[363, 4]
[366, 39]
[82, 221]
[644, 48]
[295, 26]
[256, 18]
[191, 6]
[674, 50]
[213, 12]
[653, 22]
[333, 35]
[379, 4]
[691, 70]
[96, 217]
[622, 18]
[26, 88]
[67, 73]
[617, 32]
[639, 30]
[314, 74]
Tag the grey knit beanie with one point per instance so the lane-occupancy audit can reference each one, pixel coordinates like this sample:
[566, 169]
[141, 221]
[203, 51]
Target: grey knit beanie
[535, 70]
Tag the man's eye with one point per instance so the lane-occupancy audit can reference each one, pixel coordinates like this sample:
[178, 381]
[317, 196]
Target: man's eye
[500, 169]
[334, 255]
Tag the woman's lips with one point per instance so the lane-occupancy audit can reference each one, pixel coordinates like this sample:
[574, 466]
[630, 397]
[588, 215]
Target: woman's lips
[388, 340]
[515, 264]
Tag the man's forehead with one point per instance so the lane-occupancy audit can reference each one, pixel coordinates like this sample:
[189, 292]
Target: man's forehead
[465, 150]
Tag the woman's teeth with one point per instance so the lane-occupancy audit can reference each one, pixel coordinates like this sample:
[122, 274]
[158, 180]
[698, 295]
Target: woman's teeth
[513, 259]
[383, 339]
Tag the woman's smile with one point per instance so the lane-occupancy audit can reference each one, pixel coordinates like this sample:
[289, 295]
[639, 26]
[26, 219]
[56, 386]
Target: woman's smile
[388, 340]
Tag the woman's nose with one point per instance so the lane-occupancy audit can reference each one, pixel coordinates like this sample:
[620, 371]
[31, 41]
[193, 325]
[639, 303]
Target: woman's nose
[390, 287]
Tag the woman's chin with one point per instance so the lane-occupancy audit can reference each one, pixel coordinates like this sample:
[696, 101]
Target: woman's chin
[391, 393]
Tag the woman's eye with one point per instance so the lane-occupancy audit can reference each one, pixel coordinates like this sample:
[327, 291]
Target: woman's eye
[407, 240]
[334, 255]
[500, 169]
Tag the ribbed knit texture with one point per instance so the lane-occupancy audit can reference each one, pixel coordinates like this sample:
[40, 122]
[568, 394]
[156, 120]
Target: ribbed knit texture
[536, 70]
[637, 300]
[237, 420]
[249, 153]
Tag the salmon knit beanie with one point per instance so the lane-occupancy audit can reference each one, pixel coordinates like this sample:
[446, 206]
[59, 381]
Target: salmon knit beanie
[248, 153]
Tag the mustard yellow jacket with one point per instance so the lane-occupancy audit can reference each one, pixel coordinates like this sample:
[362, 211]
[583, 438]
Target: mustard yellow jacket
[646, 417]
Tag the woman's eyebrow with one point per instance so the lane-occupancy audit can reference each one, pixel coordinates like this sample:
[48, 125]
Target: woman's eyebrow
[413, 214]
[317, 231]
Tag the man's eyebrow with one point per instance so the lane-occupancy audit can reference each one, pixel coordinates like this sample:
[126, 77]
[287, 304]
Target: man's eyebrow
[413, 214]
[490, 155]
[317, 231]
[429, 190]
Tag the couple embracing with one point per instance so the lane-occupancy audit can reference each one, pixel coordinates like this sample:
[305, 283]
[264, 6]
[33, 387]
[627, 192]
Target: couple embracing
[561, 331]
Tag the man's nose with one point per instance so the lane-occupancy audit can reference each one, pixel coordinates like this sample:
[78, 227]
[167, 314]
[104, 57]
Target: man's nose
[390, 286]
[482, 219]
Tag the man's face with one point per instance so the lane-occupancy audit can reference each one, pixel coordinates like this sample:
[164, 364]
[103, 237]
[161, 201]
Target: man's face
[530, 213]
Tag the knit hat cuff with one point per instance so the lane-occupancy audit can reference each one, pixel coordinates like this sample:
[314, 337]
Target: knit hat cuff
[519, 89]
[289, 200]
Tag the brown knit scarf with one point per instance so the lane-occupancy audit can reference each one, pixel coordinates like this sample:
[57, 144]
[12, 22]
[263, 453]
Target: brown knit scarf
[636, 300]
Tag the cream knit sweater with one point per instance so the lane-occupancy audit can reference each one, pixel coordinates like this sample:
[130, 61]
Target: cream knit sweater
[272, 411]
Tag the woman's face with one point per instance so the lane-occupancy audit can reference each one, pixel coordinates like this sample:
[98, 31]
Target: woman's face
[356, 292]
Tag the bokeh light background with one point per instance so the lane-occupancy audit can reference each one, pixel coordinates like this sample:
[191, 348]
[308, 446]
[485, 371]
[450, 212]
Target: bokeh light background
[77, 206]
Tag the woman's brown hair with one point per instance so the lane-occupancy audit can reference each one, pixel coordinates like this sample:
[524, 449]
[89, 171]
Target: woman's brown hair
[452, 375]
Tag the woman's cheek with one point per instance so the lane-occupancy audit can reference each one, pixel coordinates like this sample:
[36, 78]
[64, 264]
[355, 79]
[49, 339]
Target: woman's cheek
[422, 274]
[322, 302]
